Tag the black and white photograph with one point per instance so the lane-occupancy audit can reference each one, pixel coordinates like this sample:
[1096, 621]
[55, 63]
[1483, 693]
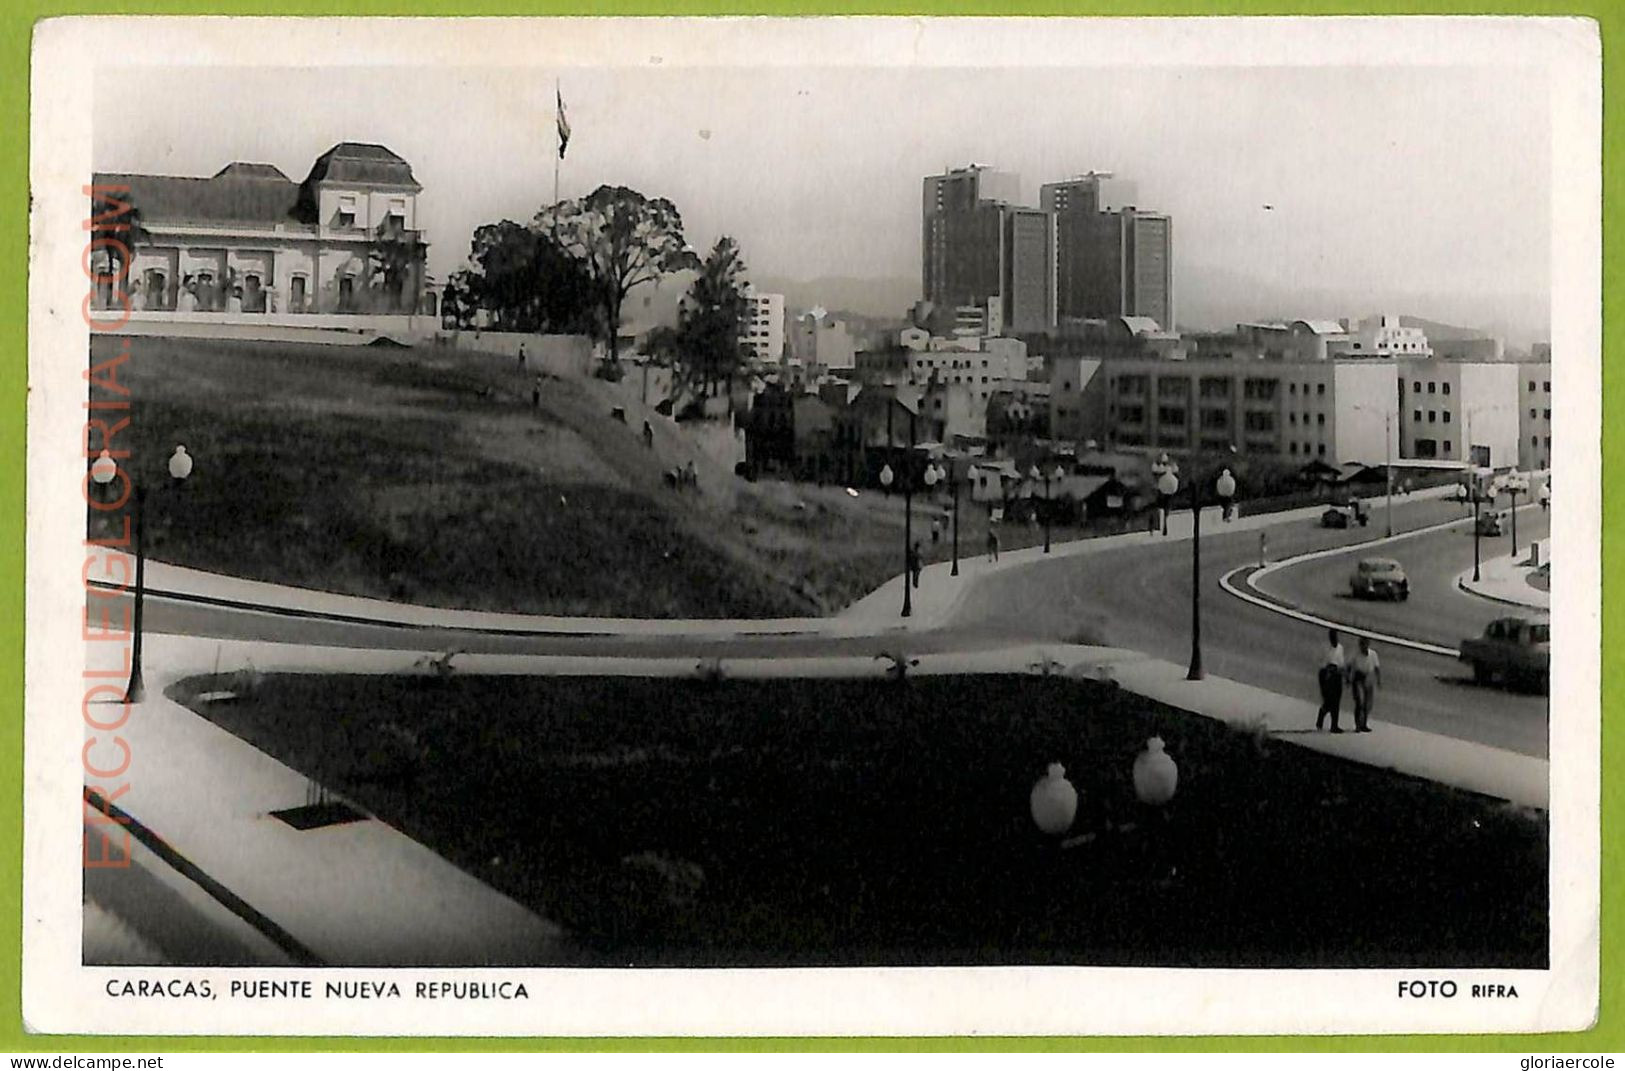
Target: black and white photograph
[662, 526]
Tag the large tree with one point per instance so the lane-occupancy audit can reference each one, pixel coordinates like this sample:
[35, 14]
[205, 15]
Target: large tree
[522, 278]
[711, 321]
[623, 240]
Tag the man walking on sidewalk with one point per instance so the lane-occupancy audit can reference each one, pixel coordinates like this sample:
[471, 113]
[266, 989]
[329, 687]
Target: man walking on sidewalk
[1333, 665]
[914, 565]
[992, 544]
[1365, 674]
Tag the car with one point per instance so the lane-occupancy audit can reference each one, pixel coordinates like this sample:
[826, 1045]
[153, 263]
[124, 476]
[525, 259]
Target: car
[1335, 518]
[1380, 578]
[1493, 524]
[1514, 650]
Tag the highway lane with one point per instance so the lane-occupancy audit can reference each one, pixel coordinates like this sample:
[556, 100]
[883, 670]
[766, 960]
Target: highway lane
[1140, 598]
[1437, 611]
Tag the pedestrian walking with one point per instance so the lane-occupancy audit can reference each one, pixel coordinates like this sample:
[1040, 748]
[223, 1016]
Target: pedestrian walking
[536, 393]
[992, 544]
[648, 436]
[521, 356]
[1545, 496]
[914, 563]
[1365, 675]
[1333, 666]
[936, 530]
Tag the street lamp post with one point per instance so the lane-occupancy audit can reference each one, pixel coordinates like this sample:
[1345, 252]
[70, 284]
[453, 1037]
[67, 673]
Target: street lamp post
[102, 471]
[1512, 489]
[1036, 475]
[1225, 487]
[1475, 529]
[953, 485]
[1388, 465]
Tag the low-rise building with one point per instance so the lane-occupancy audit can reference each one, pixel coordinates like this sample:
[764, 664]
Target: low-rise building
[1333, 410]
[1535, 415]
[250, 240]
[1460, 411]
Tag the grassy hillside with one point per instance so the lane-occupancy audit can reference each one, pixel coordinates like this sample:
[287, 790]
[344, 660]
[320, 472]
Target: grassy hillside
[426, 475]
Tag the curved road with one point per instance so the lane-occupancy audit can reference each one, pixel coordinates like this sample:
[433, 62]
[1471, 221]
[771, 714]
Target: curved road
[1437, 612]
[1140, 598]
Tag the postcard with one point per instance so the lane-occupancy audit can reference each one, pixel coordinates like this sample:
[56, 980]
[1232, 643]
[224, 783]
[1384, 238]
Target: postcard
[813, 526]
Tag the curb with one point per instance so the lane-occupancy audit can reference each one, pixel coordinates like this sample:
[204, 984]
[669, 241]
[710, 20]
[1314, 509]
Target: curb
[1283, 609]
[1463, 583]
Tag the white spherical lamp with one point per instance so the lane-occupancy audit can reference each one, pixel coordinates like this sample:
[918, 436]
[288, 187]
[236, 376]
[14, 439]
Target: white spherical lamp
[1156, 775]
[886, 476]
[104, 468]
[1226, 485]
[1054, 801]
[1167, 484]
[180, 464]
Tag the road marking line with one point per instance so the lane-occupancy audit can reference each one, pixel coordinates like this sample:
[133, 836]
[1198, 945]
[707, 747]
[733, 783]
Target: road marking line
[1289, 611]
[1285, 610]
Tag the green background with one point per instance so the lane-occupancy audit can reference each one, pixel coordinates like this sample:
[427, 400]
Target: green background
[16, 28]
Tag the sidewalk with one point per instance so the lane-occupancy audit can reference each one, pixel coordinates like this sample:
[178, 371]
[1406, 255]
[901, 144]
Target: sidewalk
[1507, 580]
[358, 894]
[879, 612]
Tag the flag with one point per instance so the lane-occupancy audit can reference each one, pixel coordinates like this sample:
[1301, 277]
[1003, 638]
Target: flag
[563, 124]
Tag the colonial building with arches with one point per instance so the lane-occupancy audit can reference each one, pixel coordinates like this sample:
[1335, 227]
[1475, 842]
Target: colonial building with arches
[250, 240]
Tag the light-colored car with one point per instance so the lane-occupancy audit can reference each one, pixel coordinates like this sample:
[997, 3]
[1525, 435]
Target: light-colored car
[1515, 650]
[1380, 578]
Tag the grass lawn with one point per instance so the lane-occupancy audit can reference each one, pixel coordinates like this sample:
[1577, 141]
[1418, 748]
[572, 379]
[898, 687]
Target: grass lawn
[426, 475]
[870, 823]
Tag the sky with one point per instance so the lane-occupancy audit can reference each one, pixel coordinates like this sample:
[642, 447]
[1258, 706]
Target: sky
[1381, 180]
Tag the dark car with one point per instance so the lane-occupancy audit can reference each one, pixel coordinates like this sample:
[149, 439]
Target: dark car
[1516, 650]
[1380, 578]
[1335, 518]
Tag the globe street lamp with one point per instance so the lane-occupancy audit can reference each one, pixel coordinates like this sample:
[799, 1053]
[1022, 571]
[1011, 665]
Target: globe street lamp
[1167, 487]
[102, 472]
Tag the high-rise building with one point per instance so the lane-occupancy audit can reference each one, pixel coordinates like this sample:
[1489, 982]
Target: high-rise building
[1112, 259]
[982, 249]
[1029, 269]
[962, 231]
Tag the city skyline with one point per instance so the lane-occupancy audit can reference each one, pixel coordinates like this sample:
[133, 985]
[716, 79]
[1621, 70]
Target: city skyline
[1372, 194]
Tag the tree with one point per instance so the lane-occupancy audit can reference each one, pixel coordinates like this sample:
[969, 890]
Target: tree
[116, 229]
[622, 240]
[457, 299]
[712, 318]
[394, 257]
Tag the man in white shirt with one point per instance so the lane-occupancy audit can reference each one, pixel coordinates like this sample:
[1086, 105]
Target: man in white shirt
[1333, 665]
[1365, 674]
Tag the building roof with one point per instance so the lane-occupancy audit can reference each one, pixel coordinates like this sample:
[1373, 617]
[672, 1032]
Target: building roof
[356, 161]
[228, 197]
[244, 192]
[1141, 325]
[1321, 327]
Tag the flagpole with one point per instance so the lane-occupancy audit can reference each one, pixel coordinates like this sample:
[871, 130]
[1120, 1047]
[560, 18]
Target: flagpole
[558, 95]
